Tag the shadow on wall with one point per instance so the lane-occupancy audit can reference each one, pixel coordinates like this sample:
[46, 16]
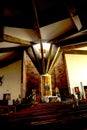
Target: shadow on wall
[1, 79]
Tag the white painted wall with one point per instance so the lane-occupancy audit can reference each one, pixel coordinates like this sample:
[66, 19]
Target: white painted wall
[12, 80]
[77, 70]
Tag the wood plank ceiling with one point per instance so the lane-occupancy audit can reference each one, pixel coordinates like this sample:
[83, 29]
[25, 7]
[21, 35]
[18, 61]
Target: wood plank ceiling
[60, 23]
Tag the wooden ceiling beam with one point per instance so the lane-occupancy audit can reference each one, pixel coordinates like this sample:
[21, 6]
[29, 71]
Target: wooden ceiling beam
[39, 36]
[11, 39]
[75, 18]
[49, 58]
[8, 49]
[55, 59]
[71, 7]
[1, 22]
[79, 52]
[36, 60]
[74, 46]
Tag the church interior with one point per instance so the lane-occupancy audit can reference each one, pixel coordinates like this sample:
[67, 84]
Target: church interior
[43, 64]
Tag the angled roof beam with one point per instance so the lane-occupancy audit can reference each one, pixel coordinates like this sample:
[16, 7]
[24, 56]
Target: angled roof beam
[8, 49]
[74, 46]
[81, 33]
[70, 5]
[75, 19]
[79, 52]
[12, 39]
[49, 58]
[39, 35]
[37, 60]
[1, 22]
[55, 59]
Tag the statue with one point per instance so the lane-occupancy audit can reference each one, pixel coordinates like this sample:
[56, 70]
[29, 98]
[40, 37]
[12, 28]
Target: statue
[47, 89]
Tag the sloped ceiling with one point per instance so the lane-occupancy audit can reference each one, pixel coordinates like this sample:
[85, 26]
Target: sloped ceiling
[60, 23]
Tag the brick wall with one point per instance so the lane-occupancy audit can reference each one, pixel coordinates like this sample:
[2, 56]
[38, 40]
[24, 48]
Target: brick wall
[58, 75]
[33, 77]
[59, 78]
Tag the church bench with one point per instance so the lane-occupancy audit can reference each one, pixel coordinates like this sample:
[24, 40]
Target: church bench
[7, 109]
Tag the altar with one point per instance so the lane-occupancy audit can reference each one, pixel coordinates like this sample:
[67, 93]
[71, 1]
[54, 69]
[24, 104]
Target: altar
[49, 99]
